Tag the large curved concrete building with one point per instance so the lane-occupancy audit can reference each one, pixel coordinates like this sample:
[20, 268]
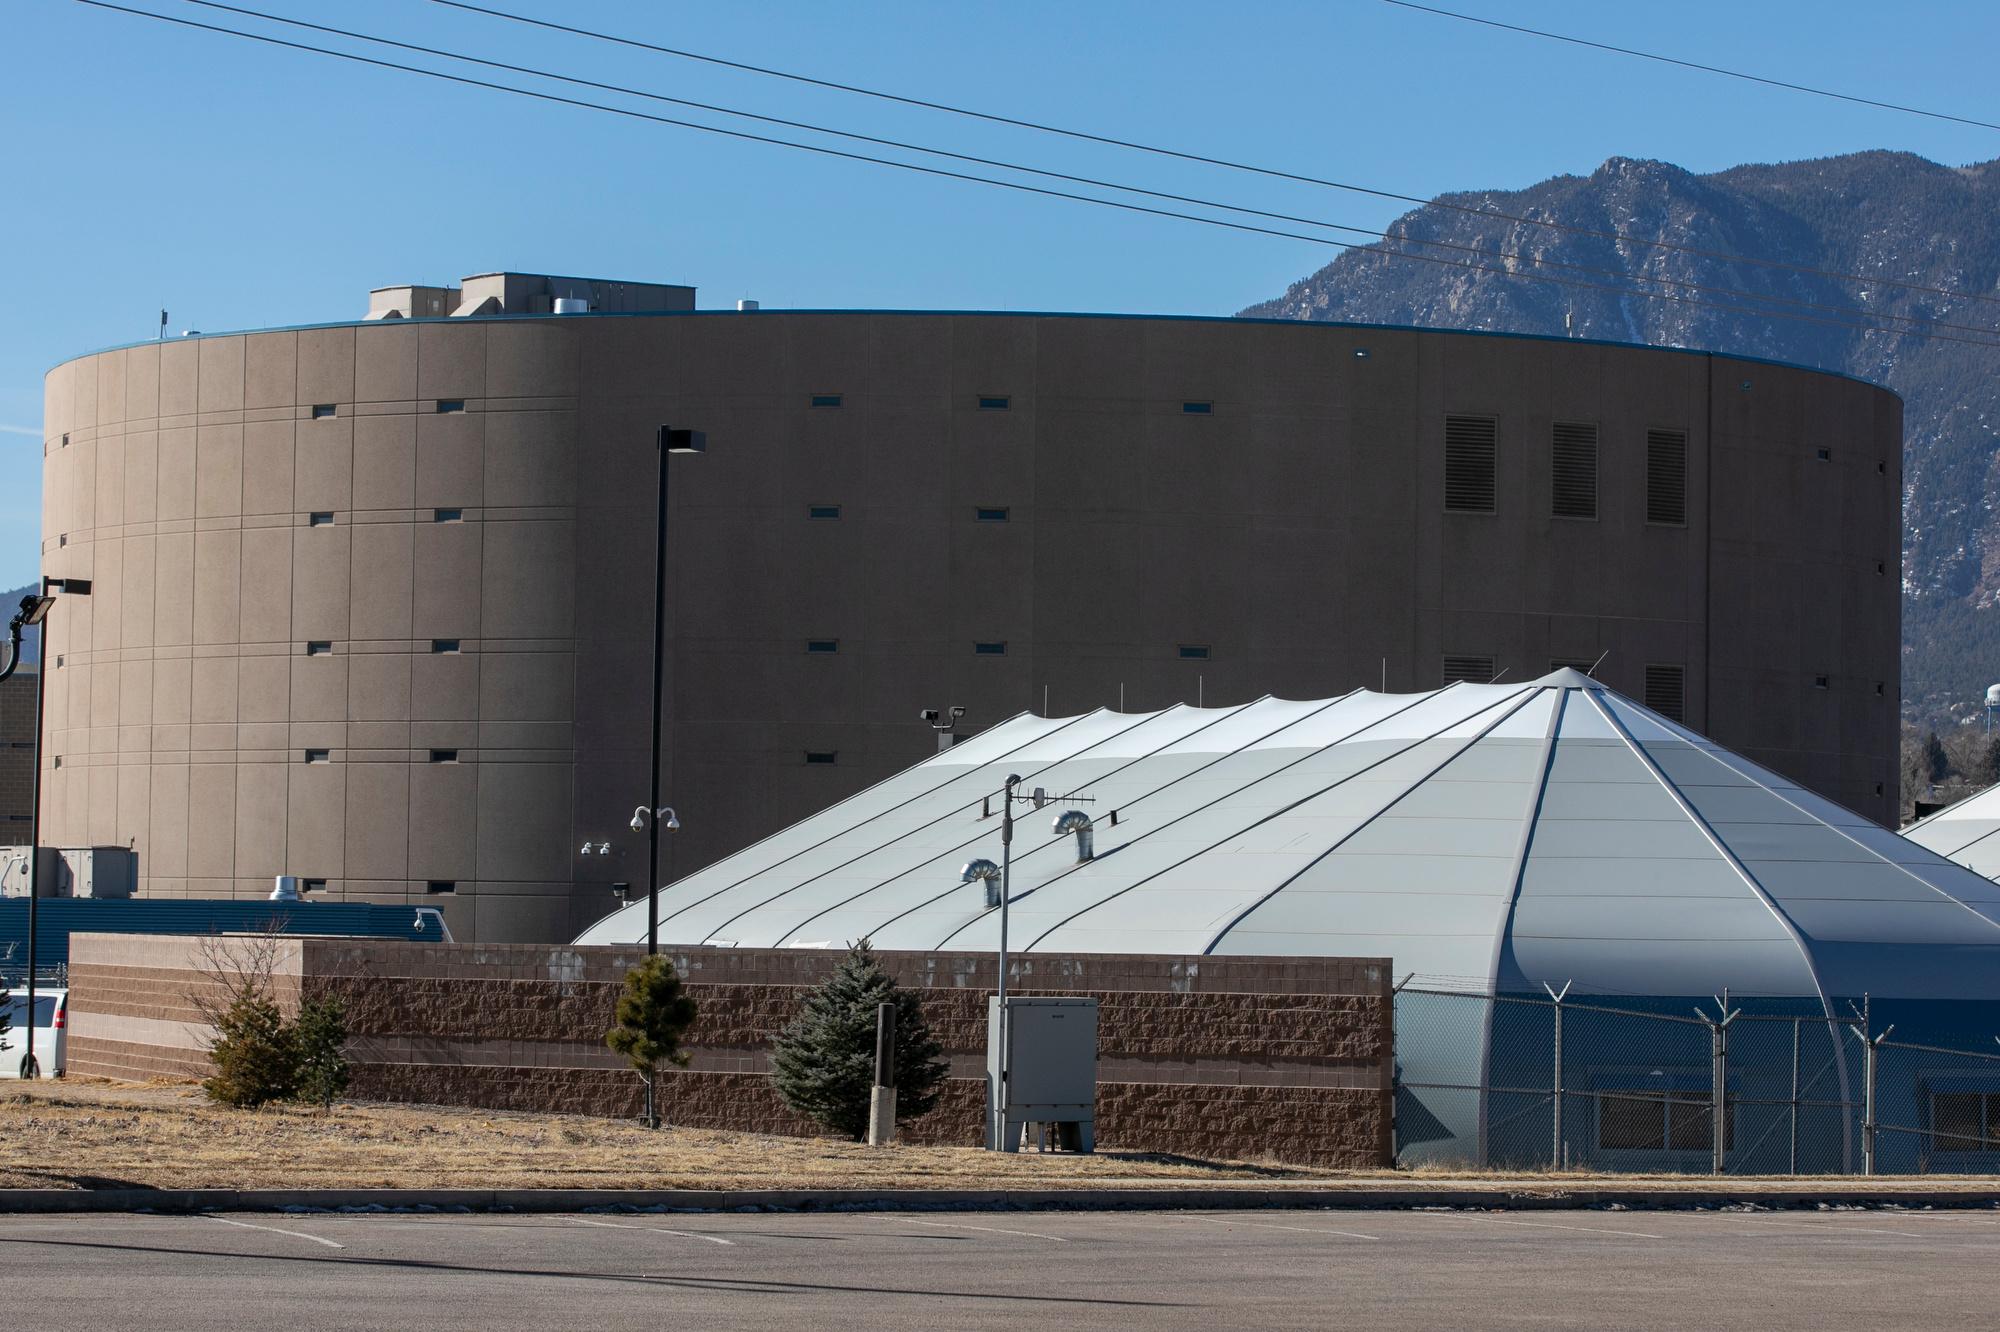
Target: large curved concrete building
[372, 601]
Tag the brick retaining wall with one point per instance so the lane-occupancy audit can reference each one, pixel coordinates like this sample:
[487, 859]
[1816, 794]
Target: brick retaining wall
[1266, 1057]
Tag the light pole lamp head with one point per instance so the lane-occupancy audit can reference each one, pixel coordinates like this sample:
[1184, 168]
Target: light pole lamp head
[683, 441]
[35, 609]
[621, 891]
[673, 820]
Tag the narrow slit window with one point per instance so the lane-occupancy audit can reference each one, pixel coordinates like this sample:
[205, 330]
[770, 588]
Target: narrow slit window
[444, 756]
[444, 647]
[323, 411]
[441, 887]
[1471, 453]
[1469, 668]
[819, 757]
[319, 647]
[312, 885]
[1573, 470]
[991, 515]
[319, 756]
[827, 399]
[1666, 691]
[1194, 407]
[447, 515]
[990, 649]
[1666, 477]
[1822, 682]
[321, 519]
[822, 645]
[995, 403]
[1194, 652]
[823, 511]
[1823, 455]
[446, 406]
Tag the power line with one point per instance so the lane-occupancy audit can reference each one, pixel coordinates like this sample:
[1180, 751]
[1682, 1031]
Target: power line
[1121, 205]
[1696, 65]
[1372, 233]
[1623, 237]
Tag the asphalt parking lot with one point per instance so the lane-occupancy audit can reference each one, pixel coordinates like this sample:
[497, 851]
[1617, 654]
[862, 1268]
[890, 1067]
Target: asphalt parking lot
[1208, 1270]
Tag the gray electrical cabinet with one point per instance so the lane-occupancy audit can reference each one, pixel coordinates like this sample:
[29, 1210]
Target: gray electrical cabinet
[1045, 1073]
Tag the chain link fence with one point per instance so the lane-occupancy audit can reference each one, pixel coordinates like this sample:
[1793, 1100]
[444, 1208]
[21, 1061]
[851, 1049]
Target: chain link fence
[1629, 1084]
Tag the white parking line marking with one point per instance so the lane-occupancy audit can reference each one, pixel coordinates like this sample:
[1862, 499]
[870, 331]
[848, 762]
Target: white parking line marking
[1542, 1225]
[654, 1230]
[295, 1234]
[1272, 1225]
[1826, 1227]
[991, 1230]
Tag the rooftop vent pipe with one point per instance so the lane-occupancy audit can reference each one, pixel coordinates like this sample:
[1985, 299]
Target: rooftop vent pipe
[977, 870]
[571, 305]
[1078, 822]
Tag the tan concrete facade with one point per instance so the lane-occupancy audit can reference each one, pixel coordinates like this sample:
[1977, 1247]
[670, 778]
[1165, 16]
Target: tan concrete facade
[1282, 1058]
[373, 601]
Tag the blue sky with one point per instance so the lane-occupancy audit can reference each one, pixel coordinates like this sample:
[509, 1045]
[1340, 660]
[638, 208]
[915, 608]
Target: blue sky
[241, 186]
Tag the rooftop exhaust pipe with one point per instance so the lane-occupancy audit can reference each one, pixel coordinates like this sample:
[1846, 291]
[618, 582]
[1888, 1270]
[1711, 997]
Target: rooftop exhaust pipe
[977, 870]
[1078, 822]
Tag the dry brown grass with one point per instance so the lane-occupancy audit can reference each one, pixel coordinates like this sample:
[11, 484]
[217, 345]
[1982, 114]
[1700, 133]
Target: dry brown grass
[87, 1133]
[92, 1133]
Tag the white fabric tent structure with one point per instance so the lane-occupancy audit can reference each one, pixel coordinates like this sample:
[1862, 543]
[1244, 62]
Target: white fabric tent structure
[1964, 833]
[1482, 836]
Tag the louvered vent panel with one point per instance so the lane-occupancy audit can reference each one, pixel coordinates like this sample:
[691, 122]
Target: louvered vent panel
[1469, 449]
[1573, 470]
[1469, 669]
[1666, 691]
[1666, 476]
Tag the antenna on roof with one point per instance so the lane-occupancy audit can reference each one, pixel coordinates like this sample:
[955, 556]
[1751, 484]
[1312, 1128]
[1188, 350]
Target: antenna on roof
[1592, 672]
[1497, 674]
[1385, 675]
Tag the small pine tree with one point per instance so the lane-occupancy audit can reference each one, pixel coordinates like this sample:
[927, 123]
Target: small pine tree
[824, 1062]
[255, 1052]
[319, 1041]
[653, 1015]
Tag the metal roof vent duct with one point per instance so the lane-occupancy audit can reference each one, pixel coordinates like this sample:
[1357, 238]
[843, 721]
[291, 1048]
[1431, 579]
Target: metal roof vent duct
[982, 869]
[571, 305]
[1078, 822]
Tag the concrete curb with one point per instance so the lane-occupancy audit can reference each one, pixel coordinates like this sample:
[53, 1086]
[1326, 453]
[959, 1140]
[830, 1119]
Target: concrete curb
[1517, 1197]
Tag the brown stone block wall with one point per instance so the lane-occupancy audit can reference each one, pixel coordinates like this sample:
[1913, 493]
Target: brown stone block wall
[1298, 1071]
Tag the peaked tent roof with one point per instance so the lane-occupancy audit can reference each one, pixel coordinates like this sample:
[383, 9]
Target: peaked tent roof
[1965, 832]
[1477, 834]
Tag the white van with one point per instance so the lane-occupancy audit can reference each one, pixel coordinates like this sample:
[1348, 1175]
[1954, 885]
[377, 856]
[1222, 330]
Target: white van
[51, 1047]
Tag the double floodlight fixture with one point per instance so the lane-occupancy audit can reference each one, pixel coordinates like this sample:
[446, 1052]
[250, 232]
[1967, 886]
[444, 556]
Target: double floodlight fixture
[936, 715]
[664, 816]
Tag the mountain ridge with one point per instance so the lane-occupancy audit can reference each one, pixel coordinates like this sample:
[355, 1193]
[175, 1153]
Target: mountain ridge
[1882, 216]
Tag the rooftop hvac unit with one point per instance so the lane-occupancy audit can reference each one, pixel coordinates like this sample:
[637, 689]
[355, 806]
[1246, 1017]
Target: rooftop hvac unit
[1050, 1070]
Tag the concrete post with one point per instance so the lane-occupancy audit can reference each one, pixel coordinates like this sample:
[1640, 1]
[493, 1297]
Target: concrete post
[882, 1097]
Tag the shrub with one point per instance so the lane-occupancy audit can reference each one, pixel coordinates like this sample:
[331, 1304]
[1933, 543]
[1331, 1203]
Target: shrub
[319, 1039]
[653, 1015]
[255, 1052]
[824, 1062]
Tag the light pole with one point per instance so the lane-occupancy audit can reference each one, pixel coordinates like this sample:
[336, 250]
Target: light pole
[670, 441]
[651, 821]
[34, 611]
